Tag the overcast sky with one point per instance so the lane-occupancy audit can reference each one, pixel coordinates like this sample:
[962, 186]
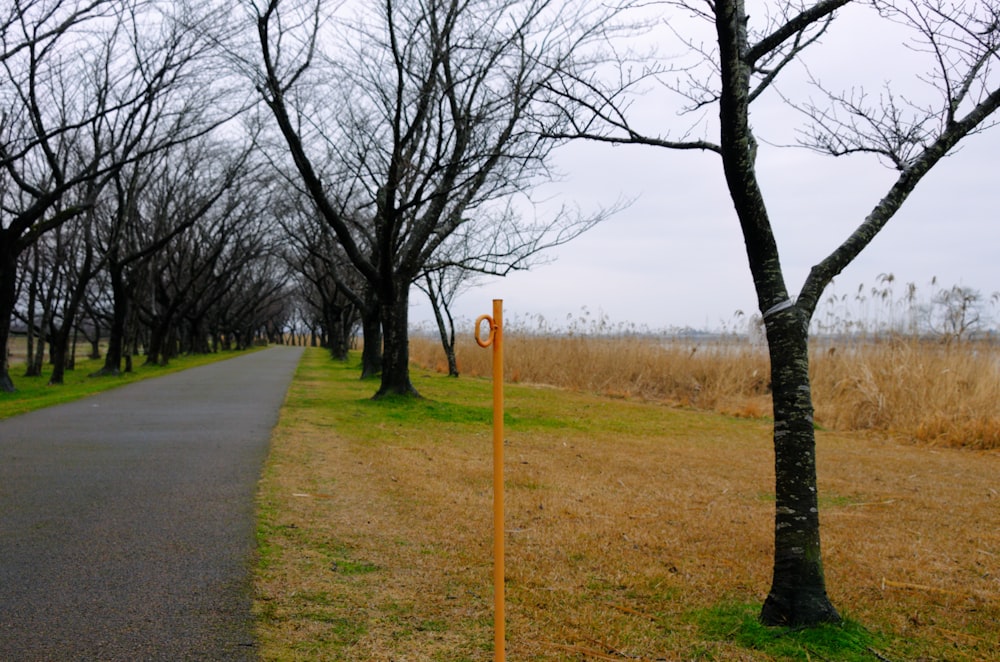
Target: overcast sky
[675, 257]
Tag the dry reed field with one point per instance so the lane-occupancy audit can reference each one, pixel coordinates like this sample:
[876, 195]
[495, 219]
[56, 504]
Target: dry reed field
[634, 531]
[911, 389]
[18, 350]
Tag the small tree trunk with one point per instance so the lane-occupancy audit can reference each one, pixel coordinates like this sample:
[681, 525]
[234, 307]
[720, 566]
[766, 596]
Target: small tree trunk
[371, 351]
[41, 339]
[8, 299]
[156, 343]
[446, 330]
[32, 300]
[6, 384]
[199, 341]
[71, 355]
[798, 590]
[171, 345]
[116, 334]
[37, 334]
[95, 342]
[60, 355]
[337, 340]
[64, 339]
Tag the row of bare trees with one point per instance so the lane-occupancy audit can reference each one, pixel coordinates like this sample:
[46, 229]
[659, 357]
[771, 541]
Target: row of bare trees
[100, 99]
[174, 255]
[139, 180]
[135, 202]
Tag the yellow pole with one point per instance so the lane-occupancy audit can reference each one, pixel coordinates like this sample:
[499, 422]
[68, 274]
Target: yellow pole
[498, 519]
[496, 340]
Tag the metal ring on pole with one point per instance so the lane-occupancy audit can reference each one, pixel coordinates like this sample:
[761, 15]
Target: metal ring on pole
[493, 330]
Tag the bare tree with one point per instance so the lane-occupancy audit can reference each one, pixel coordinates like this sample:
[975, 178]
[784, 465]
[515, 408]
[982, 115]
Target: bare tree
[956, 313]
[423, 115]
[740, 66]
[488, 245]
[85, 85]
[81, 265]
[44, 289]
[441, 287]
[330, 286]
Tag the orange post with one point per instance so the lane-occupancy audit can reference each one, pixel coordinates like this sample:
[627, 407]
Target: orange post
[495, 339]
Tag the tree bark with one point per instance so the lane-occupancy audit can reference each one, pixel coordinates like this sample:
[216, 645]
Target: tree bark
[155, 347]
[337, 339]
[371, 330]
[95, 342]
[395, 308]
[8, 299]
[798, 589]
[119, 315]
[64, 352]
[60, 352]
[446, 329]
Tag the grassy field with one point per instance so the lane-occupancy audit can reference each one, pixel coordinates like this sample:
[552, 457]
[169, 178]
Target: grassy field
[35, 393]
[635, 531]
[907, 388]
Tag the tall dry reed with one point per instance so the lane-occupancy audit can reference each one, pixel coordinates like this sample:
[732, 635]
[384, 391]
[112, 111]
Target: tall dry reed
[926, 391]
[930, 391]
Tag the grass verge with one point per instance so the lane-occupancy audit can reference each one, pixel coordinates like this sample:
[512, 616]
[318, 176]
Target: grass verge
[35, 393]
[634, 531]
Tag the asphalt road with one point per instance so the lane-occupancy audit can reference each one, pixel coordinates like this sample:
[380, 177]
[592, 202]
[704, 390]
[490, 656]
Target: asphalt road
[126, 519]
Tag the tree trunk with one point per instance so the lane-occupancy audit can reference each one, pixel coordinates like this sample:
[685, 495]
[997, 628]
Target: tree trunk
[338, 344]
[171, 345]
[95, 342]
[116, 334]
[156, 343]
[446, 330]
[71, 351]
[371, 329]
[8, 299]
[199, 341]
[32, 307]
[396, 342]
[71, 356]
[64, 339]
[60, 354]
[798, 590]
[42, 338]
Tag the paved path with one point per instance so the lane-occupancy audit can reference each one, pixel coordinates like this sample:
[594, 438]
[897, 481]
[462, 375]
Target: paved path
[126, 519]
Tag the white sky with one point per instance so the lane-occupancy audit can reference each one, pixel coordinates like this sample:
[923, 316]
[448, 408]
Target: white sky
[675, 258]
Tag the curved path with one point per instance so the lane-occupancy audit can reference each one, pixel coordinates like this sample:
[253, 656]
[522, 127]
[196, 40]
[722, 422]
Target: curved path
[126, 518]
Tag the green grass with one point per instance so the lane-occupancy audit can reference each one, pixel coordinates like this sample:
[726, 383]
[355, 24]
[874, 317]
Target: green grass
[738, 623]
[35, 393]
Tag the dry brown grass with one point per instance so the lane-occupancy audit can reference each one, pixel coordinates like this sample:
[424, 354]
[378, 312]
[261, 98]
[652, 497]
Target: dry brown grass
[922, 390]
[18, 348]
[625, 521]
[946, 395]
